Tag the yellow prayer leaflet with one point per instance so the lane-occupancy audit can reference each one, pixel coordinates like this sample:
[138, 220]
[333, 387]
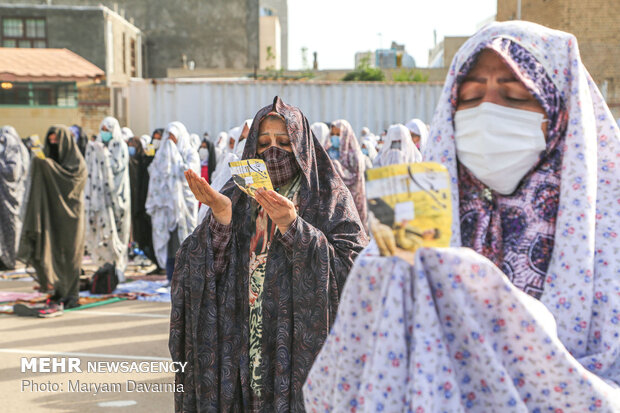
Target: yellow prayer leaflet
[37, 148]
[414, 201]
[150, 150]
[250, 175]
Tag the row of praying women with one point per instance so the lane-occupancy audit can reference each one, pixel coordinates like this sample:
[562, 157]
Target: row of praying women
[351, 156]
[280, 303]
[14, 187]
[105, 191]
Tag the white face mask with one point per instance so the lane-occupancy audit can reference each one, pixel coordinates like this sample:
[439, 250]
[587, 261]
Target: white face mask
[204, 153]
[499, 145]
[156, 143]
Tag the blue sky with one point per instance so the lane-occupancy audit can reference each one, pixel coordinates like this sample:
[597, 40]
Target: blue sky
[337, 29]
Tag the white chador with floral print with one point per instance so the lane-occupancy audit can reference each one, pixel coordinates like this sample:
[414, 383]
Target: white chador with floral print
[170, 202]
[451, 332]
[108, 198]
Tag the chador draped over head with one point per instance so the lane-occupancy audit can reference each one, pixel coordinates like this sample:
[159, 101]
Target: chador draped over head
[169, 201]
[452, 332]
[351, 165]
[305, 272]
[397, 148]
[14, 164]
[53, 232]
[108, 198]
[139, 183]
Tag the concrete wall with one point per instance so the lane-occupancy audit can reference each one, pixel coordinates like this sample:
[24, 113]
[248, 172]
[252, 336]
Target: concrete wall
[213, 33]
[280, 7]
[118, 37]
[269, 35]
[29, 121]
[93, 106]
[220, 105]
[448, 48]
[596, 25]
[451, 45]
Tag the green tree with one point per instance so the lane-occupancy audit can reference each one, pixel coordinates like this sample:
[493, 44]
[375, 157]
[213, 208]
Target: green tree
[363, 72]
[411, 75]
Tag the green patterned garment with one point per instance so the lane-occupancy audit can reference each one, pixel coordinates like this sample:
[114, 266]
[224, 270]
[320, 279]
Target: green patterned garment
[259, 250]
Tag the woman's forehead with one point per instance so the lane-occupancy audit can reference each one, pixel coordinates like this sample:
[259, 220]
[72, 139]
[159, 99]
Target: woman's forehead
[487, 63]
[272, 123]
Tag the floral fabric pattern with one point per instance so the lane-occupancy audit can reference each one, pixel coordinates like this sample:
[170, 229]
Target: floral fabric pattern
[581, 262]
[449, 334]
[453, 333]
[170, 203]
[108, 199]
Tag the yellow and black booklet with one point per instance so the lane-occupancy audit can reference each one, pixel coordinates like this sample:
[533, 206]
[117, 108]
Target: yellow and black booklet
[36, 146]
[413, 200]
[250, 175]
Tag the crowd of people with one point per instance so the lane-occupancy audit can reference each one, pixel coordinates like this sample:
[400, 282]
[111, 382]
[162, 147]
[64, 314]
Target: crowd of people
[118, 190]
[284, 302]
[109, 191]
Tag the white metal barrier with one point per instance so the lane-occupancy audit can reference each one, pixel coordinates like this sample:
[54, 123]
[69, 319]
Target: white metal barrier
[217, 105]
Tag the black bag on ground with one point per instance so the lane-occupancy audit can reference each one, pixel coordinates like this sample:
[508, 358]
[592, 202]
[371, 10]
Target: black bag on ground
[104, 281]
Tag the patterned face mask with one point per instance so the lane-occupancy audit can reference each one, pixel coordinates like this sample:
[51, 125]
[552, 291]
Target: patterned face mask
[281, 165]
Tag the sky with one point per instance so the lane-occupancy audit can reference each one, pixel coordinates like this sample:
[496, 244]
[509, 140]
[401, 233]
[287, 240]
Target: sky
[337, 29]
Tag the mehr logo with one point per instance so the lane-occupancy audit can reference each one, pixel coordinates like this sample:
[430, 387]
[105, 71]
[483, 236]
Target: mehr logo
[50, 365]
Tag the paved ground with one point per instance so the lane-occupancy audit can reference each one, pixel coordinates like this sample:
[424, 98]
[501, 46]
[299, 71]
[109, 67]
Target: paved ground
[133, 331]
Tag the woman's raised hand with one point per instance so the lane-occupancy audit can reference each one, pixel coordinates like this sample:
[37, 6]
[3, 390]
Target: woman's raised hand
[220, 204]
[280, 209]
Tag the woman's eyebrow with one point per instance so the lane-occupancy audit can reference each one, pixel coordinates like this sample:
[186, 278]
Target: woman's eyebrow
[507, 79]
[475, 79]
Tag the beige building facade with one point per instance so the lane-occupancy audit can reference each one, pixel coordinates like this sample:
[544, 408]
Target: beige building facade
[270, 49]
[595, 23]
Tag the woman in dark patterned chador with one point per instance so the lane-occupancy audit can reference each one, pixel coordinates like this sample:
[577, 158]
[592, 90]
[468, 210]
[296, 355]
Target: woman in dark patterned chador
[257, 285]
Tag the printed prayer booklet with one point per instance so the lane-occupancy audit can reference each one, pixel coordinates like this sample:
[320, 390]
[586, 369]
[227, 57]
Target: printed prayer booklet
[150, 150]
[36, 147]
[250, 175]
[413, 201]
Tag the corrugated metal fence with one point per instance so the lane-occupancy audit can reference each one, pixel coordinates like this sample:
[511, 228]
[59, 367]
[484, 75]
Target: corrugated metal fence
[213, 106]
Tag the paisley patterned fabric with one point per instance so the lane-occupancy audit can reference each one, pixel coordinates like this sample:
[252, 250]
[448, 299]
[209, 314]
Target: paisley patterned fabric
[304, 277]
[453, 333]
[259, 251]
[351, 166]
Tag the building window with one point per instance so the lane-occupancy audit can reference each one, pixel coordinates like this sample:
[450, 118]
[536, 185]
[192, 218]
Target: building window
[24, 32]
[132, 51]
[63, 95]
[124, 53]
